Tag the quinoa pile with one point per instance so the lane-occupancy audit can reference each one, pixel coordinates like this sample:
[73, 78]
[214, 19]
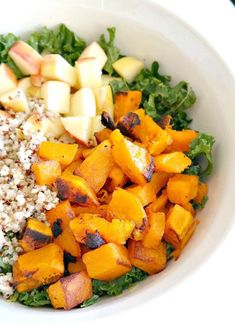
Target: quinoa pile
[20, 196]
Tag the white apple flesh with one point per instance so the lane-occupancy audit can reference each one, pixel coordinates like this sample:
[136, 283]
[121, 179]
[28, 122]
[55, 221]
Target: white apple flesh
[128, 68]
[8, 80]
[83, 103]
[15, 100]
[79, 128]
[104, 100]
[88, 73]
[56, 95]
[94, 50]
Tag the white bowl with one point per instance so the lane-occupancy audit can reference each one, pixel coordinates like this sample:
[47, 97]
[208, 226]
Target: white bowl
[148, 31]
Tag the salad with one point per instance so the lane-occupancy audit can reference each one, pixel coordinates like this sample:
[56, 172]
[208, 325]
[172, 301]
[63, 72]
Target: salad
[101, 176]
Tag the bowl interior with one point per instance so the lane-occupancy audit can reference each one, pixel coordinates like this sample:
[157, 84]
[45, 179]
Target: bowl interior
[149, 32]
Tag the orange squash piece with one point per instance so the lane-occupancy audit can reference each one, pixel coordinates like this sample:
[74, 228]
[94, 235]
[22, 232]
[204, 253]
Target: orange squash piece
[181, 140]
[178, 223]
[149, 260]
[107, 262]
[145, 193]
[182, 188]
[134, 160]
[36, 235]
[69, 170]
[96, 167]
[38, 267]
[62, 211]
[159, 180]
[117, 231]
[126, 206]
[125, 102]
[60, 152]
[158, 204]
[201, 192]
[102, 135]
[175, 162]
[46, 172]
[155, 230]
[70, 291]
[76, 267]
[76, 190]
[116, 179]
[68, 243]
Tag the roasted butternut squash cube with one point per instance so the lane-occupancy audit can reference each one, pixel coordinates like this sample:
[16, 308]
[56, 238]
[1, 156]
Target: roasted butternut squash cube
[178, 223]
[97, 210]
[145, 193]
[201, 193]
[143, 128]
[70, 291]
[116, 179]
[60, 152]
[158, 204]
[76, 267]
[180, 140]
[46, 172]
[125, 102]
[149, 260]
[96, 168]
[126, 206]
[159, 180]
[155, 230]
[76, 190]
[107, 262]
[134, 160]
[69, 170]
[117, 231]
[36, 235]
[175, 162]
[182, 188]
[38, 267]
[68, 243]
[63, 212]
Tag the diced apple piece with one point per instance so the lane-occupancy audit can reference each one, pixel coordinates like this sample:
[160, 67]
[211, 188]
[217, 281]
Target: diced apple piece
[37, 80]
[34, 91]
[8, 79]
[104, 100]
[56, 95]
[55, 67]
[95, 50]
[55, 127]
[88, 73]
[80, 128]
[26, 58]
[24, 84]
[128, 68]
[106, 79]
[97, 124]
[83, 103]
[35, 123]
[15, 100]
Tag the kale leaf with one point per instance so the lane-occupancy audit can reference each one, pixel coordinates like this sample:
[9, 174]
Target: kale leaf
[112, 52]
[60, 41]
[201, 205]
[159, 98]
[119, 86]
[6, 42]
[35, 298]
[4, 268]
[90, 301]
[201, 150]
[169, 250]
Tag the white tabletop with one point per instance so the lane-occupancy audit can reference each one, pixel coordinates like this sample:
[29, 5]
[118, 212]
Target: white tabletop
[207, 296]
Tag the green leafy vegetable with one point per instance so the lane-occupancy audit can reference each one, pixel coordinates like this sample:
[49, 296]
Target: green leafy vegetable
[169, 250]
[159, 98]
[194, 169]
[200, 148]
[118, 285]
[4, 268]
[60, 41]
[6, 42]
[90, 301]
[119, 86]
[201, 205]
[35, 298]
[112, 52]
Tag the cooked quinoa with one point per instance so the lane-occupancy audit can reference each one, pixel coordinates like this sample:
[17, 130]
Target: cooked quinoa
[20, 196]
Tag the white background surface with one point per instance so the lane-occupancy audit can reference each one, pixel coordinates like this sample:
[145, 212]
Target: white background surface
[207, 297]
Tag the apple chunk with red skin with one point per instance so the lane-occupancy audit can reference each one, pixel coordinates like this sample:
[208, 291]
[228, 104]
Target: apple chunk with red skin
[27, 59]
[8, 80]
[79, 128]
